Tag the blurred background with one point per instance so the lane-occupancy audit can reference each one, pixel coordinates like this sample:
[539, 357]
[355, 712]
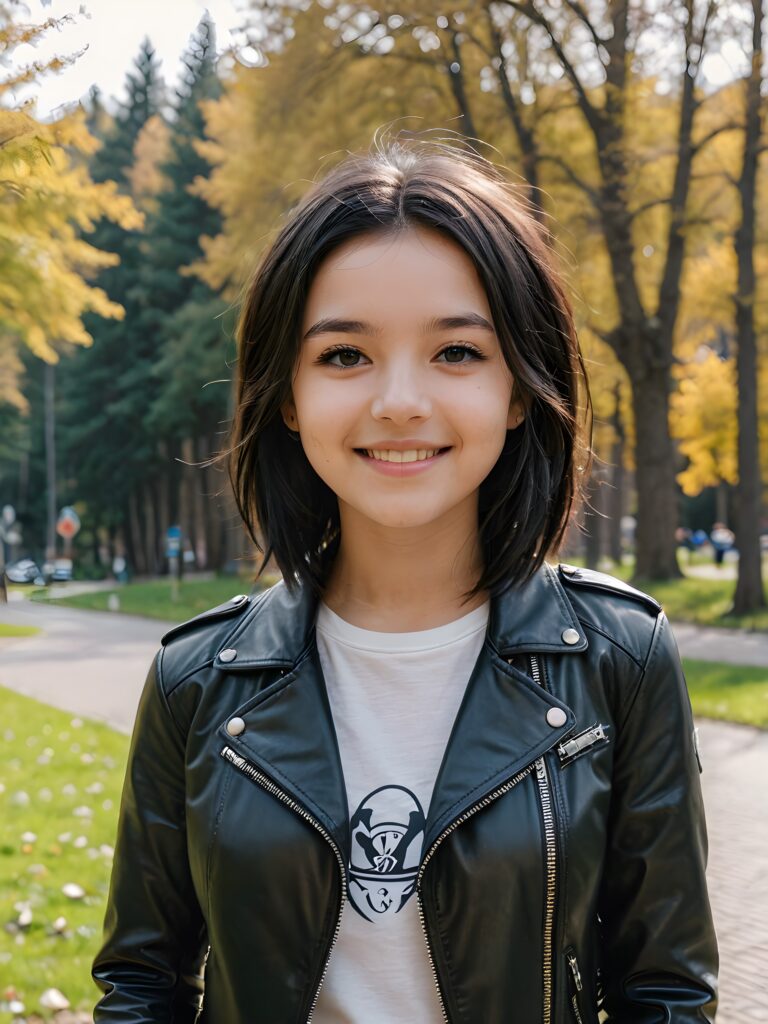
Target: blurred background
[147, 153]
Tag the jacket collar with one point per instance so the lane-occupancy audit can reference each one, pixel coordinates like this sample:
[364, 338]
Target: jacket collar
[534, 616]
[501, 727]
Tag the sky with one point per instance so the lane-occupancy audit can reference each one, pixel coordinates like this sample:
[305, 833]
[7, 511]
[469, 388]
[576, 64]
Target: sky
[111, 31]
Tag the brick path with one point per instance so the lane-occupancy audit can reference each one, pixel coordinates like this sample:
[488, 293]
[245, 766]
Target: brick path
[735, 761]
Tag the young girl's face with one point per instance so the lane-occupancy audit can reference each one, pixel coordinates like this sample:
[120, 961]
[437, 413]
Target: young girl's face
[399, 352]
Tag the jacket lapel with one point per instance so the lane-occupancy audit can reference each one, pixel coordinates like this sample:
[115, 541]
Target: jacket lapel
[289, 734]
[500, 728]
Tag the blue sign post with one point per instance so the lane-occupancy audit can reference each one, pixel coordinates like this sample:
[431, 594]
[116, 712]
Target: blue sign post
[172, 553]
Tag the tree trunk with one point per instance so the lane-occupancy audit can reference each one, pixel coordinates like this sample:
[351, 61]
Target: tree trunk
[219, 507]
[134, 536]
[50, 462]
[657, 519]
[615, 498]
[592, 520]
[150, 503]
[200, 499]
[749, 594]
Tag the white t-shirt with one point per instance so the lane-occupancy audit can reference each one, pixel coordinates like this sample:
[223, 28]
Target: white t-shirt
[394, 698]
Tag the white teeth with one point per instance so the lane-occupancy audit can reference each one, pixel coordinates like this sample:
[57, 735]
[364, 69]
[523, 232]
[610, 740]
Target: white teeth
[413, 455]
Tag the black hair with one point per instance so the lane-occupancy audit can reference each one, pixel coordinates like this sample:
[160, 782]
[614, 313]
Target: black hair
[528, 498]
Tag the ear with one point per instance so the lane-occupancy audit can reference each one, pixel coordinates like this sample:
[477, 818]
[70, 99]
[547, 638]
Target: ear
[288, 412]
[516, 413]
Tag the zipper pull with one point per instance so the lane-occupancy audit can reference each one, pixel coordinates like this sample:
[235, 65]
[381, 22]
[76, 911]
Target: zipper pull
[574, 965]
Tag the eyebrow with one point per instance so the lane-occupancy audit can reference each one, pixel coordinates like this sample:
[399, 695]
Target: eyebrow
[337, 325]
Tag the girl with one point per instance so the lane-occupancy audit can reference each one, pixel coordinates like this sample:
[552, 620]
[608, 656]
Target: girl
[427, 776]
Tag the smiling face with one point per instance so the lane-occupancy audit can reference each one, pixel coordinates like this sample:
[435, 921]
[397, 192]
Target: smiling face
[399, 352]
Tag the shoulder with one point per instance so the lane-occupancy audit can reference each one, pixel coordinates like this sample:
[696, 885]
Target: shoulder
[193, 644]
[613, 608]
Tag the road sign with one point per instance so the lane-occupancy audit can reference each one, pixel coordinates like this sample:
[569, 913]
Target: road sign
[68, 523]
[172, 541]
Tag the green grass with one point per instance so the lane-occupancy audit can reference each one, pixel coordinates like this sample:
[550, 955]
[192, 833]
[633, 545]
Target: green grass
[8, 629]
[154, 598]
[53, 765]
[735, 693]
[704, 601]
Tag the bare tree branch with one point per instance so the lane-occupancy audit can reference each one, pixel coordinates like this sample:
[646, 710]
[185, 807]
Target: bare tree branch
[729, 126]
[591, 113]
[578, 9]
[589, 190]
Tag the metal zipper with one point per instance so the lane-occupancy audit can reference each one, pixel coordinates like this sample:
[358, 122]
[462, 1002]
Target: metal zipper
[263, 780]
[549, 829]
[542, 777]
[467, 814]
[570, 955]
[571, 748]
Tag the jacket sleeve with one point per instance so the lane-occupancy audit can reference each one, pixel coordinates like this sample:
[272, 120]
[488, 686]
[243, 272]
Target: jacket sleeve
[154, 937]
[659, 950]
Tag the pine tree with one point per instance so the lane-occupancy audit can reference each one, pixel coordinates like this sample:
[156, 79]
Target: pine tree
[103, 438]
[173, 242]
[183, 345]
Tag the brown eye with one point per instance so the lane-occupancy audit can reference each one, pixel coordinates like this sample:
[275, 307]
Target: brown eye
[350, 353]
[341, 351]
[462, 350]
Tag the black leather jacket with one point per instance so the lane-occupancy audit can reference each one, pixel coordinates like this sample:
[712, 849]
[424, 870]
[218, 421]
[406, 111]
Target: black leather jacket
[563, 866]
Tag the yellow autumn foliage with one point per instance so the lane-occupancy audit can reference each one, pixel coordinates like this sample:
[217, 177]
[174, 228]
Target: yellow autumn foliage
[47, 199]
[703, 419]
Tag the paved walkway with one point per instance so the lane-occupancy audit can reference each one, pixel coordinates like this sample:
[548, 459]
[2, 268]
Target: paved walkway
[94, 664]
[90, 663]
[737, 646]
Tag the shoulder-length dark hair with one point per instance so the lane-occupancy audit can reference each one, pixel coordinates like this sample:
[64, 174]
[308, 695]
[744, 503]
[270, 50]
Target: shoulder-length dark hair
[527, 499]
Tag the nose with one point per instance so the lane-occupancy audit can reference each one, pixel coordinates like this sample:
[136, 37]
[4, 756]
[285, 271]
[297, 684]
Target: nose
[400, 394]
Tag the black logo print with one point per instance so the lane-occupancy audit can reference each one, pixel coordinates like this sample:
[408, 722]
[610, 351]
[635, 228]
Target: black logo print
[387, 837]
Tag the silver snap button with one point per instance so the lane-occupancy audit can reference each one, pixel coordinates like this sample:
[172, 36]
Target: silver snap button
[238, 598]
[569, 569]
[235, 726]
[556, 717]
[228, 655]
[571, 636]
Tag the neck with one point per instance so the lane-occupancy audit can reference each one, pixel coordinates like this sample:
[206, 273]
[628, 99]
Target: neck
[394, 579]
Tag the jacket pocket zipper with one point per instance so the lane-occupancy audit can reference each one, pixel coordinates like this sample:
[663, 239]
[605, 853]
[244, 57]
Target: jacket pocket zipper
[575, 983]
[581, 743]
[254, 773]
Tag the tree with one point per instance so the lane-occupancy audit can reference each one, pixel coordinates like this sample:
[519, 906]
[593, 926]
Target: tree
[181, 345]
[99, 432]
[47, 199]
[749, 595]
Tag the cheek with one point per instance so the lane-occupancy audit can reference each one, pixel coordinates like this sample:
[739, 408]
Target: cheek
[483, 411]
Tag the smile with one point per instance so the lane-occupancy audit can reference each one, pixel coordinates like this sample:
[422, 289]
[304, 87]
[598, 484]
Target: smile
[394, 463]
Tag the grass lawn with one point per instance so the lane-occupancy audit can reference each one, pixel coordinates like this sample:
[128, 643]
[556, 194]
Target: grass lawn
[60, 782]
[7, 629]
[154, 598]
[693, 599]
[736, 693]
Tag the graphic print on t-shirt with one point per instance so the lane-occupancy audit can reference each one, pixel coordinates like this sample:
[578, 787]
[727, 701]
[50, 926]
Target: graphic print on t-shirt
[387, 837]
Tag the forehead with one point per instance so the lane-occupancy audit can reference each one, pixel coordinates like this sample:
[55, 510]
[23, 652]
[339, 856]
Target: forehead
[395, 274]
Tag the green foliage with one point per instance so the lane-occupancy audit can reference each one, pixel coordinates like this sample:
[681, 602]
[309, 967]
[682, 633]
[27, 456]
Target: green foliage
[102, 417]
